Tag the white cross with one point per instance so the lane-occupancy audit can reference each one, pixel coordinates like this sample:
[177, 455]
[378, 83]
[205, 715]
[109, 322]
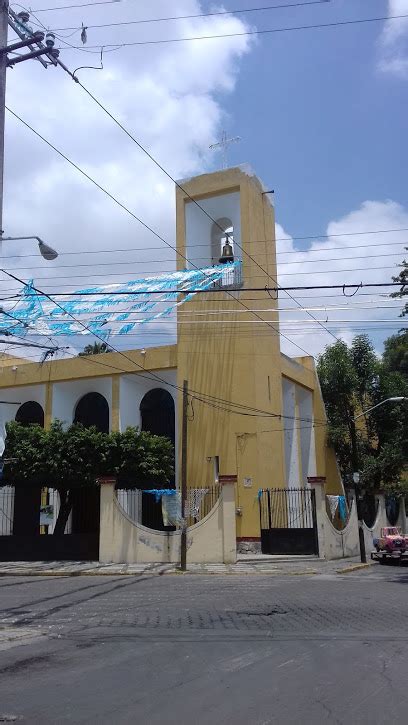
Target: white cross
[223, 146]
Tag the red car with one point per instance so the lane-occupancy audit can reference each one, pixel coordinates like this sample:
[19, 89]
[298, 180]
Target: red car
[391, 540]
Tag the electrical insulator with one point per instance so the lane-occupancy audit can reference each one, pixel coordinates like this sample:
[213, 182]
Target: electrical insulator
[50, 40]
[24, 16]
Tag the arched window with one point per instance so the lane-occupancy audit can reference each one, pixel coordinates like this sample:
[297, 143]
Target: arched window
[93, 409]
[157, 413]
[30, 413]
[222, 230]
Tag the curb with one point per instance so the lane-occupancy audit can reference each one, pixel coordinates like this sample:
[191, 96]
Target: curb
[66, 574]
[353, 567]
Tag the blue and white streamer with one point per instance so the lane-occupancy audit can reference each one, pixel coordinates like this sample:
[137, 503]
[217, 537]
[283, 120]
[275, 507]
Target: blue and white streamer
[37, 314]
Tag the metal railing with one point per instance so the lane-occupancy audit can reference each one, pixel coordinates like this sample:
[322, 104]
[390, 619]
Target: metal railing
[6, 510]
[286, 508]
[142, 507]
[200, 501]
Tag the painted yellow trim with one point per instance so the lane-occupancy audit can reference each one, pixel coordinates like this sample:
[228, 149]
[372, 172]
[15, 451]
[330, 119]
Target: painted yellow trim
[48, 405]
[115, 415]
[94, 366]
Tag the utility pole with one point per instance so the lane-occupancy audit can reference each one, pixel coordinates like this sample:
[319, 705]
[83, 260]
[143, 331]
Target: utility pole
[184, 431]
[4, 8]
[356, 467]
[28, 39]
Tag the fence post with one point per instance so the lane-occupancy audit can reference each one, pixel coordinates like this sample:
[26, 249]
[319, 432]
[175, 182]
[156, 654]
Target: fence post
[317, 485]
[229, 533]
[107, 486]
[402, 517]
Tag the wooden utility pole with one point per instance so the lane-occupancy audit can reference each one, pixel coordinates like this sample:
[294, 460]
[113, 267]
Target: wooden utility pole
[4, 8]
[184, 431]
[356, 468]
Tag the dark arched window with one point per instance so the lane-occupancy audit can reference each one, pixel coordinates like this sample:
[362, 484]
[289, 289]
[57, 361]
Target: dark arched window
[93, 409]
[30, 413]
[157, 413]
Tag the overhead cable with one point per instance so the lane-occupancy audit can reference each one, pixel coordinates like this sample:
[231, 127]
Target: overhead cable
[268, 31]
[235, 11]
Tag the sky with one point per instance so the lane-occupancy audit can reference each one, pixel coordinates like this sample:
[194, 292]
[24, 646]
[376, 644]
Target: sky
[322, 118]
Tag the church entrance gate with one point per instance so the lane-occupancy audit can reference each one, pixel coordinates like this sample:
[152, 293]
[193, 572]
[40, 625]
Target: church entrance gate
[288, 521]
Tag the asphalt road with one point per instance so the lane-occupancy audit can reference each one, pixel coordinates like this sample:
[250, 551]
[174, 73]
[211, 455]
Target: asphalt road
[206, 649]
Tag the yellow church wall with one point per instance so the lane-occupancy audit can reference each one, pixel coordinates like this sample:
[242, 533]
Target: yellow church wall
[234, 362]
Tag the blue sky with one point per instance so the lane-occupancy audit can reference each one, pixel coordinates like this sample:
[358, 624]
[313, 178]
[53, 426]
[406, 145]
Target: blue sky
[321, 124]
[321, 113]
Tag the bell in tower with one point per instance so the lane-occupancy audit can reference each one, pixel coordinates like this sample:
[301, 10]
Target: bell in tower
[227, 254]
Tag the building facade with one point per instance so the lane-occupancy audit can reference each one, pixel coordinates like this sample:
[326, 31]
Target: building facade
[253, 412]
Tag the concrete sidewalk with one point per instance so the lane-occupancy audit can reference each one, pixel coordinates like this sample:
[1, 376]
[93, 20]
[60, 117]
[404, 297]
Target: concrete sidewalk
[246, 564]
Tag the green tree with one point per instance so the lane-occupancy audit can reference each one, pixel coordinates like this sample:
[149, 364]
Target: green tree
[395, 355]
[95, 348]
[352, 380]
[402, 279]
[65, 459]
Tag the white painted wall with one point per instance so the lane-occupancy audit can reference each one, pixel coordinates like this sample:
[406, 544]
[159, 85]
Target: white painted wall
[67, 395]
[306, 433]
[291, 435]
[22, 394]
[300, 450]
[198, 226]
[344, 543]
[134, 387]
[122, 540]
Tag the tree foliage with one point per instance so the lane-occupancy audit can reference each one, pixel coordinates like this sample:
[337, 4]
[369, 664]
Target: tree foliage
[395, 355]
[95, 348]
[67, 458]
[64, 459]
[352, 380]
[402, 279]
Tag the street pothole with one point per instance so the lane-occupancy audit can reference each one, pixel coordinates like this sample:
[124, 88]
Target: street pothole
[261, 612]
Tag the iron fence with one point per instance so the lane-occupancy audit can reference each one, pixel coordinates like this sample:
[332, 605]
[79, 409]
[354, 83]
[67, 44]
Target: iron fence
[142, 507]
[287, 508]
[35, 510]
[6, 510]
[200, 501]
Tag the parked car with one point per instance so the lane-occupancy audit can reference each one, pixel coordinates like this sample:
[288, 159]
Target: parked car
[391, 540]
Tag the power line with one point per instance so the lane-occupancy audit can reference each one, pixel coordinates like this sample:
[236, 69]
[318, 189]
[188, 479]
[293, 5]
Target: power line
[128, 263]
[268, 31]
[115, 275]
[78, 168]
[353, 286]
[393, 305]
[112, 278]
[253, 241]
[81, 5]
[151, 375]
[117, 122]
[197, 15]
[179, 186]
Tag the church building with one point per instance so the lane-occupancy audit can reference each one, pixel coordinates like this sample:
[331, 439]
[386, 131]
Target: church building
[253, 413]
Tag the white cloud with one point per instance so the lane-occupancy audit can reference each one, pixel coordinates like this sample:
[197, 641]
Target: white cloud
[345, 259]
[169, 96]
[394, 41]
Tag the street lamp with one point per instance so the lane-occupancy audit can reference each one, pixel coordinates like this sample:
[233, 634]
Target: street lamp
[398, 399]
[356, 475]
[46, 251]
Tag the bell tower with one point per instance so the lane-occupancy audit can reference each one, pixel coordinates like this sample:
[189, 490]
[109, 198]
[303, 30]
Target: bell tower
[228, 338]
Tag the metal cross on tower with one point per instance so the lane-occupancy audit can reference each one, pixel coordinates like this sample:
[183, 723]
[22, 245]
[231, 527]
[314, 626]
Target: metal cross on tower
[223, 146]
